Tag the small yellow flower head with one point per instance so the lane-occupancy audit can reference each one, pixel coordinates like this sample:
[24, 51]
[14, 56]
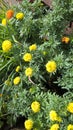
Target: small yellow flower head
[53, 115]
[4, 22]
[32, 89]
[28, 71]
[27, 57]
[44, 52]
[20, 16]
[28, 124]
[16, 80]
[18, 68]
[33, 47]
[7, 82]
[70, 107]
[35, 106]
[54, 127]
[6, 45]
[59, 119]
[70, 127]
[66, 40]
[51, 66]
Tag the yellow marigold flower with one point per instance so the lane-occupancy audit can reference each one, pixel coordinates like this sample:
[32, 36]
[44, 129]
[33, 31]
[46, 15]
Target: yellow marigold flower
[28, 124]
[19, 16]
[35, 106]
[53, 115]
[28, 71]
[51, 66]
[4, 22]
[16, 80]
[33, 47]
[27, 57]
[70, 107]
[6, 45]
[70, 127]
[17, 68]
[66, 40]
[54, 127]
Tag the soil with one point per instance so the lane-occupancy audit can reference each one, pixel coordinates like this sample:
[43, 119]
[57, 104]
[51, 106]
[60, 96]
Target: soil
[19, 125]
[16, 129]
[13, 128]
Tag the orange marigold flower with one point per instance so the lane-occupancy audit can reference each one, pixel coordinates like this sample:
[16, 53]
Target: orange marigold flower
[9, 14]
[66, 40]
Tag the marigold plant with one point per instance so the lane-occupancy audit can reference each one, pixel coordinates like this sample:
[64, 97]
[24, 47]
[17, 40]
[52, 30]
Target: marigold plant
[36, 64]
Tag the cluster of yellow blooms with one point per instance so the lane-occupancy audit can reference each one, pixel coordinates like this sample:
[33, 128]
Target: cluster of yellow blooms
[56, 127]
[35, 106]
[9, 15]
[28, 57]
